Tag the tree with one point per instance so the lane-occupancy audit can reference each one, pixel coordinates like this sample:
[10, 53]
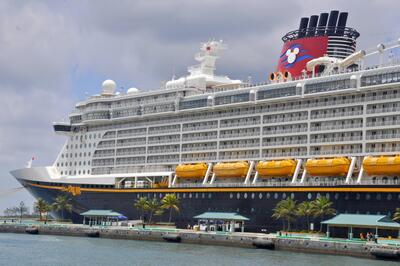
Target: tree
[322, 207]
[285, 210]
[396, 216]
[305, 209]
[61, 203]
[153, 206]
[171, 202]
[42, 207]
[141, 204]
[10, 212]
[21, 209]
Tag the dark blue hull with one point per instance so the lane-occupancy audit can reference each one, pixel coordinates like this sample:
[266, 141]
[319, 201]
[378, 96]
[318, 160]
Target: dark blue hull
[257, 206]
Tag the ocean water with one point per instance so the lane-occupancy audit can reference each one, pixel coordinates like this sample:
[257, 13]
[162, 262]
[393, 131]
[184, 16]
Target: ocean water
[23, 249]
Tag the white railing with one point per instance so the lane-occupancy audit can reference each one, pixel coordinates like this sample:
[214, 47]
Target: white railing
[336, 183]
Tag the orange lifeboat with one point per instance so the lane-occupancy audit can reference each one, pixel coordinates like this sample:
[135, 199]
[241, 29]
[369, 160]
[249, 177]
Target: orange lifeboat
[328, 167]
[234, 169]
[382, 165]
[276, 168]
[191, 171]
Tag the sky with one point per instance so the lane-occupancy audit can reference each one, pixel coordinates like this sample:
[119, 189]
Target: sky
[54, 53]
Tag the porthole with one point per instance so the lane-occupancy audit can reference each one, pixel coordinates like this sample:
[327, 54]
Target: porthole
[209, 195]
[367, 196]
[184, 195]
[309, 196]
[292, 195]
[137, 196]
[268, 195]
[230, 196]
[238, 195]
[190, 195]
[358, 196]
[327, 195]
[318, 195]
[204, 195]
[337, 196]
[378, 196]
[252, 195]
[245, 195]
[276, 195]
[389, 197]
[252, 209]
[346, 196]
[260, 196]
[284, 196]
[196, 195]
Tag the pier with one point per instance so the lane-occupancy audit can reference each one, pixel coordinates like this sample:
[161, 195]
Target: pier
[292, 242]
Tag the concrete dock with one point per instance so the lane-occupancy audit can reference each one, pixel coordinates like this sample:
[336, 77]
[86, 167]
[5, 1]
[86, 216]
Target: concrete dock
[305, 243]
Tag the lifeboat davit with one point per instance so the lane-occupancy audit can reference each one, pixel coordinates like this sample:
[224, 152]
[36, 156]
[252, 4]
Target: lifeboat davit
[328, 167]
[382, 165]
[189, 171]
[276, 168]
[234, 169]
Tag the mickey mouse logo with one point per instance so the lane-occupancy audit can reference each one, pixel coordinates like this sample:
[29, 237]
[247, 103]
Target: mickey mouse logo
[291, 54]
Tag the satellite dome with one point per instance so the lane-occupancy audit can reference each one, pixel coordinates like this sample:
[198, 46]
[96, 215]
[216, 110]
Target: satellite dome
[132, 90]
[108, 87]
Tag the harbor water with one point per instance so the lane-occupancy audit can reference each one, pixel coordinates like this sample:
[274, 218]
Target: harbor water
[20, 249]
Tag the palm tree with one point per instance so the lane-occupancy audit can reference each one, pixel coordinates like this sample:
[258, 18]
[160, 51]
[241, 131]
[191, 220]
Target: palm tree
[42, 207]
[285, 210]
[171, 202]
[305, 209]
[153, 206]
[62, 202]
[396, 216]
[322, 207]
[141, 204]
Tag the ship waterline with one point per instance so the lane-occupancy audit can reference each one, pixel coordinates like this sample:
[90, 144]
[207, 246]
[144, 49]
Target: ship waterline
[324, 126]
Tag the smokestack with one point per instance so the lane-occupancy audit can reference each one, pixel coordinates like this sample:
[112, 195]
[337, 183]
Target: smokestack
[312, 25]
[341, 23]
[323, 19]
[303, 27]
[330, 30]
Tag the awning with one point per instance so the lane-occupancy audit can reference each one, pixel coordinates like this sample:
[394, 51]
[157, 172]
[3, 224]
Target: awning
[101, 213]
[362, 221]
[232, 216]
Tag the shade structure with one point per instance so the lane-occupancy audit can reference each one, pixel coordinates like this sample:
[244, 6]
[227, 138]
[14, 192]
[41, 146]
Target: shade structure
[101, 213]
[232, 216]
[362, 221]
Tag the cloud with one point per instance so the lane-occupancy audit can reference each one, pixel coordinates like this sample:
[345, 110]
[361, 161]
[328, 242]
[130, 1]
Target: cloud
[51, 52]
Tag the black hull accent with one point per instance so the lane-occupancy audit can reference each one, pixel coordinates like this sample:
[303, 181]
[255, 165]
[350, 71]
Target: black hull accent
[257, 206]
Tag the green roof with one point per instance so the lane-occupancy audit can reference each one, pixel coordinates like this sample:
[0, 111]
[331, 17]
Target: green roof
[362, 221]
[104, 213]
[221, 216]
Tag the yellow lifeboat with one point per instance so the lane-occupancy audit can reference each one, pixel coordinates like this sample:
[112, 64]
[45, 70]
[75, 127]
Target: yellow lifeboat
[197, 170]
[276, 168]
[234, 169]
[328, 167]
[382, 165]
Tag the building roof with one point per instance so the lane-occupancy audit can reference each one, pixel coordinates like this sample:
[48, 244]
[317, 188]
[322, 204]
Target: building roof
[222, 216]
[103, 213]
[362, 221]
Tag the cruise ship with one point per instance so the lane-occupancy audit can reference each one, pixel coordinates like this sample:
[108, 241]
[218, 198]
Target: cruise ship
[323, 124]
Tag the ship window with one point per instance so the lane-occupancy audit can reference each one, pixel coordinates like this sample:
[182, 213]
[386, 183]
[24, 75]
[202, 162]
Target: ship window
[309, 196]
[209, 195]
[378, 196]
[260, 196]
[230, 196]
[238, 195]
[284, 196]
[61, 172]
[252, 195]
[245, 195]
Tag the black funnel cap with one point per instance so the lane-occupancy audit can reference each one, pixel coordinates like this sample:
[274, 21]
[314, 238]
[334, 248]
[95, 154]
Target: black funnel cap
[323, 19]
[333, 16]
[303, 27]
[312, 26]
[341, 23]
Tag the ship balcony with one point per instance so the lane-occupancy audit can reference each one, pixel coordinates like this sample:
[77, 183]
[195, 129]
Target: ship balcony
[63, 128]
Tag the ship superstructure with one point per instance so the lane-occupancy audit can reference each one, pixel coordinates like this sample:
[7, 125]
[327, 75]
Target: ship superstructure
[324, 125]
